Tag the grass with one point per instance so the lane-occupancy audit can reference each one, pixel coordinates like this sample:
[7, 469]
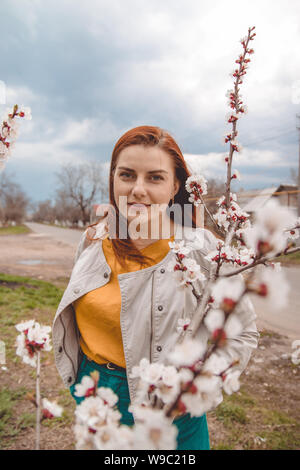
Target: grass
[16, 230]
[8, 399]
[269, 334]
[21, 299]
[231, 411]
[293, 258]
[243, 414]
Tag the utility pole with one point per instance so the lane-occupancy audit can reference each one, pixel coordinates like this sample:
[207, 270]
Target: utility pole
[298, 127]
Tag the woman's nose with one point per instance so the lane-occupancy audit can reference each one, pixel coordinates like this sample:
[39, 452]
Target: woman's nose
[139, 188]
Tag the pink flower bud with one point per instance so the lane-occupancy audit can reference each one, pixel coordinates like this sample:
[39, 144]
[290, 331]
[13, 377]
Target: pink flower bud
[219, 336]
[46, 414]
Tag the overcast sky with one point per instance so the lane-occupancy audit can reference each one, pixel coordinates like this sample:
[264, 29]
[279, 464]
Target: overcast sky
[92, 70]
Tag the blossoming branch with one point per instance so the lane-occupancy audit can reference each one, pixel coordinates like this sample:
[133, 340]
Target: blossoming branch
[9, 130]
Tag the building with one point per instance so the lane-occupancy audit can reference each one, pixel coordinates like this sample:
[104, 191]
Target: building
[286, 194]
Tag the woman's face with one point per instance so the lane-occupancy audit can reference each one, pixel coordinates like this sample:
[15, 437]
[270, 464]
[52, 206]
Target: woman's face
[143, 175]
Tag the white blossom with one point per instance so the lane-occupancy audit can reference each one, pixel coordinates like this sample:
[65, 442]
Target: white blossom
[236, 174]
[214, 319]
[195, 240]
[83, 437]
[187, 352]
[179, 247]
[233, 327]
[266, 236]
[155, 434]
[170, 376]
[139, 370]
[229, 92]
[292, 234]
[195, 183]
[108, 396]
[27, 112]
[84, 388]
[237, 146]
[153, 373]
[33, 338]
[244, 107]
[182, 324]
[207, 397]
[193, 272]
[51, 409]
[40, 335]
[216, 364]
[271, 283]
[110, 437]
[25, 325]
[231, 288]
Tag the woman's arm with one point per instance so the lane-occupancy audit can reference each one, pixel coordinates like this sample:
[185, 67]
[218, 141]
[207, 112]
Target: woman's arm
[241, 347]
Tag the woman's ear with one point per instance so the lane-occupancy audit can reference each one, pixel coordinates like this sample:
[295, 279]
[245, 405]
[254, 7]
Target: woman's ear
[176, 186]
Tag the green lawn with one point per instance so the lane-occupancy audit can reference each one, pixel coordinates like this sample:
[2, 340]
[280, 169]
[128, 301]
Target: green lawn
[21, 299]
[17, 229]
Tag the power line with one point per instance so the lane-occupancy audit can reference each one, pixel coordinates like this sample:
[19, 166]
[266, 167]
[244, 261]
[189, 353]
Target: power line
[269, 138]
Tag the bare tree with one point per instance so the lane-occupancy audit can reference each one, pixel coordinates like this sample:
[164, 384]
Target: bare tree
[13, 200]
[83, 185]
[65, 209]
[44, 212]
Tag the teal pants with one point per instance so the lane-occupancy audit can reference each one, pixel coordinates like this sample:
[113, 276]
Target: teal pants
[192, 431]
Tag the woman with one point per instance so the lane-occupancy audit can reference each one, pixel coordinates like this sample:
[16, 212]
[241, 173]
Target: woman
[121, 304]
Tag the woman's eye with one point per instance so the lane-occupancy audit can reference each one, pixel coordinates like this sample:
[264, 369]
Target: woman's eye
[152, 176]
[157, 176]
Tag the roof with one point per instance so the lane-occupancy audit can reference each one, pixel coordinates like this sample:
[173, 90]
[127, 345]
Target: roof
[251, 204]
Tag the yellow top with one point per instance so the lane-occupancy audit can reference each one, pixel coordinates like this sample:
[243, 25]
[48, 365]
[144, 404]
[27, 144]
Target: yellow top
[98, 311]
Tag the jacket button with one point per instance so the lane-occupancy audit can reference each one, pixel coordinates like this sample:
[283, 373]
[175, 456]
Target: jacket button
[60, 349]
[77, 290]
[162, 270]
[105, 275]
[69, 379]
[160, 308]
[159, 348]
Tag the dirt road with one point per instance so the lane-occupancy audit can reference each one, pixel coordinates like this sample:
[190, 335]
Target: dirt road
[64, 235]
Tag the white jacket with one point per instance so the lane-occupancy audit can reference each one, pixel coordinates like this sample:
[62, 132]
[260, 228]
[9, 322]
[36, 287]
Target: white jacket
[151, 304]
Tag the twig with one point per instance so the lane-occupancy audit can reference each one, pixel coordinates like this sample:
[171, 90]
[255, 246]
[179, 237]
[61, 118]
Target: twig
[259, 261]
[211, 217]
[38, 401]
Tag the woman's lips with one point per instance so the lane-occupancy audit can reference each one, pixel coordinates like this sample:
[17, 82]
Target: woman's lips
[139, 205]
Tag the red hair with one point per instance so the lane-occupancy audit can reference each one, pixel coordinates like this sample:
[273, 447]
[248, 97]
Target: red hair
[149, 136]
